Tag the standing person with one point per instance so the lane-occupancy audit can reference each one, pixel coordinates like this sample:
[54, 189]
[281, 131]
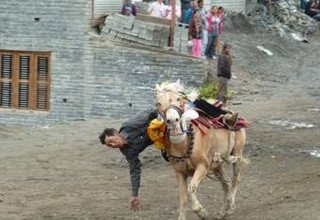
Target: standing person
[169, 11]
[224, 72]
[131, 140]
[190, 11]
[220, 14]
[303, 4]
[313, 9]
[185, 6]
[214, 29]
[203, 13]
[195, 33]
[157, 9]
[129, 8]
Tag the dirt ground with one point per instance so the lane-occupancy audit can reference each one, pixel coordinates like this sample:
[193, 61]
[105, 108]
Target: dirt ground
[63, 172]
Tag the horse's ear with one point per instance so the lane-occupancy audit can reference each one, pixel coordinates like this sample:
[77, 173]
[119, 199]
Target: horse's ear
[157, 87]
[189, 115]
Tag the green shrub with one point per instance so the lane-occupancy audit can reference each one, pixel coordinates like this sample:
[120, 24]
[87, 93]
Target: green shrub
[210, 90]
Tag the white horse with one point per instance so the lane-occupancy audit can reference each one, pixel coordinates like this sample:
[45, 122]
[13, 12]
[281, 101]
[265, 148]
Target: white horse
[195, 150]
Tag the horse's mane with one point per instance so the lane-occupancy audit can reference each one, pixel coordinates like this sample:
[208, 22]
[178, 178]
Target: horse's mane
[176, 87]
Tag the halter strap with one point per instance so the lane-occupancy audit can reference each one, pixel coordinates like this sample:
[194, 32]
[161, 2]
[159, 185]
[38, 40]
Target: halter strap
[175, 108]
[171, 158]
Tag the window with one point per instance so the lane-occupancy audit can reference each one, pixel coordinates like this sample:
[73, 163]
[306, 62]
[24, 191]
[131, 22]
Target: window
[25, 80]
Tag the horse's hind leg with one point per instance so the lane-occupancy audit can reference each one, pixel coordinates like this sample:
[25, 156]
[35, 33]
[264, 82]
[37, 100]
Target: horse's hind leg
[199, 174]
[235, 184]
[225, 182]
[237, 166]
[236, 180]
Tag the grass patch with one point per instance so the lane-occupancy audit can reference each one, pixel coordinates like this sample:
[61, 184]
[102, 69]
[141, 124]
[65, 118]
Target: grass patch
[210, 91]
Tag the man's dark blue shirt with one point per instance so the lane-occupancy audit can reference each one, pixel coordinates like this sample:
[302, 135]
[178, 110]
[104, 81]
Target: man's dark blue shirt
[135, 132]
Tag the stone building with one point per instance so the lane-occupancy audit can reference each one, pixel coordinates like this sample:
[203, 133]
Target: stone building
[52, 68]
[233, 5]
[111, 6]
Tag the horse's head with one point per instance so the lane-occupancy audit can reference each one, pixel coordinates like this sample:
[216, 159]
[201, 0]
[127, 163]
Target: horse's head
[168, 99]
[177, 121]
[173, 94]
[171, 103]
[169, 94]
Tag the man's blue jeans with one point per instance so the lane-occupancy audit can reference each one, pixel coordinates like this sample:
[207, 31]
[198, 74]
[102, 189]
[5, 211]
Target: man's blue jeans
[303, 4]
[204, 41]
[211, 47]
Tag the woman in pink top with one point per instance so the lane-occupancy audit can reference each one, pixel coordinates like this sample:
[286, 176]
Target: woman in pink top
[220, 14]
[214, 30]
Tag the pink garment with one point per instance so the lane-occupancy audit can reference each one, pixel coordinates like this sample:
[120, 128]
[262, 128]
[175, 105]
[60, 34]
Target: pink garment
[196, 47]
[214, 23]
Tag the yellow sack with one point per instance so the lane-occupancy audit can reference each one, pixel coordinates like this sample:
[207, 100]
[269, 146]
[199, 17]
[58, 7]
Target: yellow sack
[156, 132]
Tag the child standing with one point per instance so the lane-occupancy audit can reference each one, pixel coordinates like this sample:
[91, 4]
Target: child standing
[195, 33]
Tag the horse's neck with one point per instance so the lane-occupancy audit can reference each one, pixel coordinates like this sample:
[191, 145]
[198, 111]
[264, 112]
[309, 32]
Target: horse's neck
[179, 149]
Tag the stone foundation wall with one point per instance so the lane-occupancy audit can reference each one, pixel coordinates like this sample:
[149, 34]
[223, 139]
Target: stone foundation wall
[129, 29]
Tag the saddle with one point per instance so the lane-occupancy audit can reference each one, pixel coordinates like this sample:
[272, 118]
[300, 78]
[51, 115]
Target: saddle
[230, 121]
[212, 115]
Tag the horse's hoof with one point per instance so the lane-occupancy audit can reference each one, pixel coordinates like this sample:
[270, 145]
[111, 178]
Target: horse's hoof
[220, 215]
[203, 214]
[230, 211]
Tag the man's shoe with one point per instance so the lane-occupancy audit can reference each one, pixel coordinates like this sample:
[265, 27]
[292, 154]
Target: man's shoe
[231, 119]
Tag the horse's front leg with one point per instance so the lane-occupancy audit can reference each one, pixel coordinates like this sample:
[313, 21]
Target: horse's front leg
[199, 174]
[183, 198]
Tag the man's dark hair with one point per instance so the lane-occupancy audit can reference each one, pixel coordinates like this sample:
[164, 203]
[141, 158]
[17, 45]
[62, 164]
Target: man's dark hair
[106, 133]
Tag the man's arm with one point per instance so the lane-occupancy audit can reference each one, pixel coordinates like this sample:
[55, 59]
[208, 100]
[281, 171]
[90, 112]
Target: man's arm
[135, 174]
[134, 10]
[151, 8]
[123, 10]
[314, 10]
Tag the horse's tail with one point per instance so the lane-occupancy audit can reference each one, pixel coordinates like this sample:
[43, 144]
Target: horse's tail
[244, 161]
[239, 159]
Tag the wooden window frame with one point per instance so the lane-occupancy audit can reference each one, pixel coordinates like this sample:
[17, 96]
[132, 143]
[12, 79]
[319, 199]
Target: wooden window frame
[33, 82]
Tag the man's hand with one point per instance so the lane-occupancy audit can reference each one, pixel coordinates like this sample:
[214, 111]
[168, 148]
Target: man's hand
[135, 204]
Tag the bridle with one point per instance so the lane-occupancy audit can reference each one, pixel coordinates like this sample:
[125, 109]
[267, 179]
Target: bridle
[180, 115]
[188, 131]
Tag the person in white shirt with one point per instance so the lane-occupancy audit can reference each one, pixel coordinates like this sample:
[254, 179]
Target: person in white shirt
[157, 9]
[203, 13]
